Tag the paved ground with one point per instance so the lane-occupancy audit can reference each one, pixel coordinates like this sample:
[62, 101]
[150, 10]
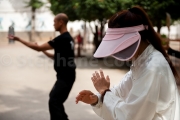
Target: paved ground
[26, 77]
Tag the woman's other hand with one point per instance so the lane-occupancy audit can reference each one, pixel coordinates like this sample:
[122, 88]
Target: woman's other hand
[87, 97]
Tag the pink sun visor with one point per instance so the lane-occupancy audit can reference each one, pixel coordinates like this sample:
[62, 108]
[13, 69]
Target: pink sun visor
[120, 43]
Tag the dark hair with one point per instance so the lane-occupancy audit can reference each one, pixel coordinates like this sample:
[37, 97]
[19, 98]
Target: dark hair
[137, 16]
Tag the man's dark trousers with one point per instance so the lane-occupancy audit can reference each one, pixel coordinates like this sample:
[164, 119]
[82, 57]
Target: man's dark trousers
[58, 96]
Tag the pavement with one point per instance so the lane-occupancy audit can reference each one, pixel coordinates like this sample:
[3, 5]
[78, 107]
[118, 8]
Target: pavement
[27, 76]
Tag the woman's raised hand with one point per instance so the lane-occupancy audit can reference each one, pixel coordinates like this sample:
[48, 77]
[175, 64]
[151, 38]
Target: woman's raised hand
[100, 82]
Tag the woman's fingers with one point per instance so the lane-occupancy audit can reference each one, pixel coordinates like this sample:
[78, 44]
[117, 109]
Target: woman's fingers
[85, 92]
[101, 73]
[97, 75]
[94, 76]
[92, 79]
[79, 98]
[107, 78]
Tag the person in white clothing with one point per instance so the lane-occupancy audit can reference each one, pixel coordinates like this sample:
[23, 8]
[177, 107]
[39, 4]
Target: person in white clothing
[149, 91]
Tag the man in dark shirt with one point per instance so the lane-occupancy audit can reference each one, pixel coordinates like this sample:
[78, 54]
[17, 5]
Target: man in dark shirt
[64, 65]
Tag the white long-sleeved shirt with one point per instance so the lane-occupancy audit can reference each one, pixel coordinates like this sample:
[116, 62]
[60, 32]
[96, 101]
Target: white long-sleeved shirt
[147, 92]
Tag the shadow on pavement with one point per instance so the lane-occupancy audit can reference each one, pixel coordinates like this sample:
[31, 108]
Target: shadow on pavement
[30, 104]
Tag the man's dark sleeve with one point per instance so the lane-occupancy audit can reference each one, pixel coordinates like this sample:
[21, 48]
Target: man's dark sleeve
[52, 43]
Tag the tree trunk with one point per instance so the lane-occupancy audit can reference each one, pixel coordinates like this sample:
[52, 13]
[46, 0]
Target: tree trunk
[84, 37]
[159, 25]
[102, 30]
[96, 42]
[98, 35]
[33, 24]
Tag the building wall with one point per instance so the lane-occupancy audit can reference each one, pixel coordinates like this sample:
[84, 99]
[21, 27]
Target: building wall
[15, 12]
[39, 36]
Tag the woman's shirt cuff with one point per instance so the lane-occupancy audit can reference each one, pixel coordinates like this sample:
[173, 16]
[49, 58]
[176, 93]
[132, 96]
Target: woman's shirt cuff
[99, 103]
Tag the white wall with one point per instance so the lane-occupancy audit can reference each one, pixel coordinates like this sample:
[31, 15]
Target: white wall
[14, 11]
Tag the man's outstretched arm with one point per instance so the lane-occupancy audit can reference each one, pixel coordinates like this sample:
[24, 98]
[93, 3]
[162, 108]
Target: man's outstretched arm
[50, 55]
[33, 46]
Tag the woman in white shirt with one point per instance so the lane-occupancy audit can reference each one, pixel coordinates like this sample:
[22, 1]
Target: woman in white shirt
[149, 90]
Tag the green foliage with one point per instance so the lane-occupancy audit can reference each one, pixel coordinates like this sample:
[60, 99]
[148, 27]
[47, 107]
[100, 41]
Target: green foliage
[163, 36]
[157, 9]
[174, 9]
[34, 4]
[64, 6]
[88, 10]
[97, 9]
[101, 10]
